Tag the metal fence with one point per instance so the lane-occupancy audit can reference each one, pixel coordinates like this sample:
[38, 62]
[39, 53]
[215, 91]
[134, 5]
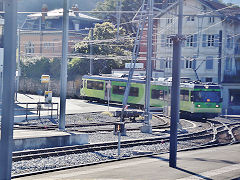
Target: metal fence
[39, 108]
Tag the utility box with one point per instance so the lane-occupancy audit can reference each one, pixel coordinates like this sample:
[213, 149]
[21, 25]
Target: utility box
[48, 96]
[119, 127]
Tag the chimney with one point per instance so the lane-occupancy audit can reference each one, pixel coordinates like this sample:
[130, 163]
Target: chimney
[75, 9]
[44, 12]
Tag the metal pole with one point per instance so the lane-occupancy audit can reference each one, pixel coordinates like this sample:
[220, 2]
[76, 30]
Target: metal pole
[9, 71]
[119, 143]
[64, 66]
[119, 3]
[91, 52]
[175, 91]
[108, 93]
[220, 57]
[134, 58]
[149, 65]
[18, 63]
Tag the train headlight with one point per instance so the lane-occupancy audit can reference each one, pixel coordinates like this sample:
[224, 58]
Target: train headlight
[217, 106]
[198, 105]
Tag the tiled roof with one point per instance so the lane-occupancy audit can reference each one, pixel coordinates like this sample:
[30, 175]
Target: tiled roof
[59, 12]
[231, 10]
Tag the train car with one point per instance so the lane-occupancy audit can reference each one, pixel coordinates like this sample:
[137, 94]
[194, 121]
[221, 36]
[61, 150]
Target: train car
[196, 100]
[200, 100]
[95, 88]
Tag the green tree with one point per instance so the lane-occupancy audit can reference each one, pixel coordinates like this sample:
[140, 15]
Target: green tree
[130, 6]
[35, 67]
[107, 51]
[105, 43]
[77, 66]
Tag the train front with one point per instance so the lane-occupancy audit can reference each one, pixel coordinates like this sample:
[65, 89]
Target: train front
[206, 100]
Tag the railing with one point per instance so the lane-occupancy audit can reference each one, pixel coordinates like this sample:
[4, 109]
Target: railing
[38, 107]
[237, 51]
[229, 77]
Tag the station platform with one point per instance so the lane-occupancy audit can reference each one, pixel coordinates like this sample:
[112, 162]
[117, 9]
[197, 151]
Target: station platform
[219, 163]
[37, 139]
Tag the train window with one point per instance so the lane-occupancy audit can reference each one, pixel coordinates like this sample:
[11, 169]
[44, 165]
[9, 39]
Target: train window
[121, 89]
[157, 94]
[184, 95]
[118, 90]
[207, 96]
[95, 85]
[134, 91]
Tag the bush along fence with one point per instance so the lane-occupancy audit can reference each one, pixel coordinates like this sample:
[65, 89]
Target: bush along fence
[34, 86]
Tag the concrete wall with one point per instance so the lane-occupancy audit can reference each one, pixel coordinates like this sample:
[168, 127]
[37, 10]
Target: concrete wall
[33, 86]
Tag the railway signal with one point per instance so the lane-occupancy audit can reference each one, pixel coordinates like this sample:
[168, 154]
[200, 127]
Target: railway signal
[119, 130]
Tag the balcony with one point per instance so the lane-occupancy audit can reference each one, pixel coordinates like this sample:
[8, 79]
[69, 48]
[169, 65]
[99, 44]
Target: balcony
[237, 51]
[230, 77]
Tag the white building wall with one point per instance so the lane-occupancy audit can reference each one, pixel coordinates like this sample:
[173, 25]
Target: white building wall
[200, 27]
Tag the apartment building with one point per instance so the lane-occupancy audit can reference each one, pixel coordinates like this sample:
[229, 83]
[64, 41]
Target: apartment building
[41, 33]
[211, 46]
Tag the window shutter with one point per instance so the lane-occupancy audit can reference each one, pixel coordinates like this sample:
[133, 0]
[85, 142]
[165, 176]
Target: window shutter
[204, 38]
[163, 40]
[227, 63]
[194, 65]
[231, 42]
[183, 43]
[162, 64]
[195, 40]
[228, 41]
[209, 62]
[216, 40]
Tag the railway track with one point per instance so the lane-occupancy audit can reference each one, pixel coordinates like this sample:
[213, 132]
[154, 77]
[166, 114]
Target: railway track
[94, 126]
[216, 134]
[58, 151]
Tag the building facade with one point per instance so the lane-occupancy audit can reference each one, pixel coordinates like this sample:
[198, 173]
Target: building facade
[211, 46]
[41, 33]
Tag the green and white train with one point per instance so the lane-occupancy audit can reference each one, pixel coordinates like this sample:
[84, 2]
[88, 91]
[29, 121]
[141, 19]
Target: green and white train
[197, 100]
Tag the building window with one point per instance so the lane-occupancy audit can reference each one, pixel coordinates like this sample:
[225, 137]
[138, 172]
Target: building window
[190, 18]
[169, 42]
[29, 47]
[210, 41]
[48, 25]
[189, 64]
[229, 42]
[168, 63]
[209, 79]
[169, 20]
[49, 46]
[209, 63]
[234, 97]
[189, 41]
[211, 19]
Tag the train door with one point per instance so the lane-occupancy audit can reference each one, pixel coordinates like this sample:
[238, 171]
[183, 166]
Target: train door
[108, 87]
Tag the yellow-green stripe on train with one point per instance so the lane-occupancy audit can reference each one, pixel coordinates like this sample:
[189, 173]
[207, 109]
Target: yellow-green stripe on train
[196, 99]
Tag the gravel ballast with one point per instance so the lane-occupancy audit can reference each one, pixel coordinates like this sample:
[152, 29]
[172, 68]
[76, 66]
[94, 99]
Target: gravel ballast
[85, 158]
